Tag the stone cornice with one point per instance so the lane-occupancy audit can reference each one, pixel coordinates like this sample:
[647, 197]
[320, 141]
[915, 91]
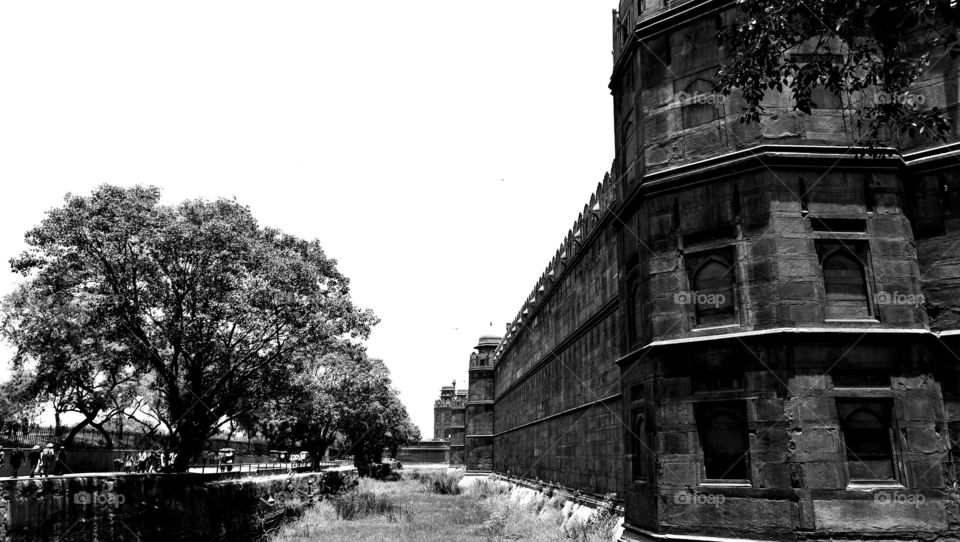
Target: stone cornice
[764, 157]
[741, 335]
[577, 408]
[678, 16]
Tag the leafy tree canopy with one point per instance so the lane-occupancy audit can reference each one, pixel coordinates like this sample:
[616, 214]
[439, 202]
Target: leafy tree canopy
[197, 298]
[78, 359]
[341, 397]
[868, 52]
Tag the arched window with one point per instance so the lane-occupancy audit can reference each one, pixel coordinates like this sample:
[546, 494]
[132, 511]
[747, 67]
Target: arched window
[655, 61]
[722, 428]
[825, 99]
[638, 444]
[867, 439]
[699, 104]
[713, 292]
[845, 281]
[636, 313]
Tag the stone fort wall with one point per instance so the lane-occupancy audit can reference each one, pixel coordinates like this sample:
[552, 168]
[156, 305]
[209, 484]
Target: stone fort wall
[557, 395]
[760, 402]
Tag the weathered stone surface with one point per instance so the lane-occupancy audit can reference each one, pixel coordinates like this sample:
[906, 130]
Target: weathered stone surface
[806, 335]
[891, 518]
[155, 507]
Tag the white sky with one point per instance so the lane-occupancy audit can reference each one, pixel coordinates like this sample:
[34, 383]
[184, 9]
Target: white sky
[438, 150]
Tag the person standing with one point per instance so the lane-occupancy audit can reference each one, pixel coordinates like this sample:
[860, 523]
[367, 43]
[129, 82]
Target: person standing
[33, 459]
[16, 459]
[127, 463]
[60, 468]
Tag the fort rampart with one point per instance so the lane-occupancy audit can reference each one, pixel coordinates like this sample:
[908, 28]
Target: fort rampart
[750, 332]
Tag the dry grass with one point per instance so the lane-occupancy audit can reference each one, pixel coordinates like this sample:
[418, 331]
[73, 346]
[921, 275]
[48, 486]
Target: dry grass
[441, 482]
[360, 503]
[410, 511]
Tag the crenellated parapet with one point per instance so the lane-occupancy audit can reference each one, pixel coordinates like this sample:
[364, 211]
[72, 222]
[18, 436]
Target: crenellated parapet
[604, 199]
[481, 360]
[478, 412]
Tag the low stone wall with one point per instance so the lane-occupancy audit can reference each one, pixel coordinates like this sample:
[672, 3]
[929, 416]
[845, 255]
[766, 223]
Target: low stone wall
[157, 507]
[425, 453]
[576, 507]
[97, 460]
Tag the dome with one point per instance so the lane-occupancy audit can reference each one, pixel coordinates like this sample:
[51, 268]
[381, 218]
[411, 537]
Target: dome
[489, 340]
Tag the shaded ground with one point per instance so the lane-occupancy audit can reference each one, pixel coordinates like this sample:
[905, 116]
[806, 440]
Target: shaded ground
[406, 510]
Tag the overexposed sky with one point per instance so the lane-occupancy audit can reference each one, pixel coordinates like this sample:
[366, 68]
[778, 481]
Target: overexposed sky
[439, 150]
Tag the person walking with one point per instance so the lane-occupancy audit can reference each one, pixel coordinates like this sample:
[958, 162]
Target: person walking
[142, 461]
[47, 458]
[33, 459]
[16, 459]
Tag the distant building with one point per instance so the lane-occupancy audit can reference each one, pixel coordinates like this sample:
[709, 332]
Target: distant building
[448, 416]
[478, 453]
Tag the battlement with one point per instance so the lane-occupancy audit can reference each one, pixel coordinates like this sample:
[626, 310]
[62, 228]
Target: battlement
[602, 201]
[480, 360]
[459, 398]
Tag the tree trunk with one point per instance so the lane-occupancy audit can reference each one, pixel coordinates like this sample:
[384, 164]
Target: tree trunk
[316, 455]
[190, 447]
[68, 440]
[57, 427]
[105, 433]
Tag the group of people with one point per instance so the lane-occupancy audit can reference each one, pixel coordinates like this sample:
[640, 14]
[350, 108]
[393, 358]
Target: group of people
[156, 460]
[45, 461]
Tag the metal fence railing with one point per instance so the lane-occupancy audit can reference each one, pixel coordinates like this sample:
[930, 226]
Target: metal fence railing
[89, 437]
[278, 467]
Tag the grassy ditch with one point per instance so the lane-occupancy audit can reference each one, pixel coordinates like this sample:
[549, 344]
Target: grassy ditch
[429, 506]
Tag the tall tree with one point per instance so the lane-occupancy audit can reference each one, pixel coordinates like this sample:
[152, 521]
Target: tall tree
[19, 404]
[342, 394]
[374, 418]
[868, 52]
[215, 308]
[79, 360]
[307, 412]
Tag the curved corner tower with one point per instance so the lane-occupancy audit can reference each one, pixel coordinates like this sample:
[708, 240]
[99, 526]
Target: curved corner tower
[786, 364]
[479, 407]
[458, 424]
